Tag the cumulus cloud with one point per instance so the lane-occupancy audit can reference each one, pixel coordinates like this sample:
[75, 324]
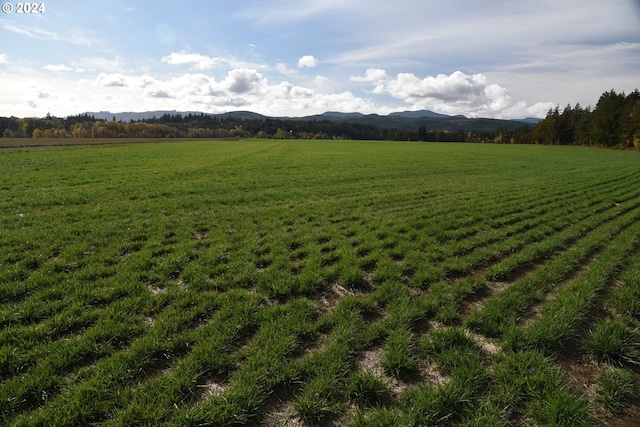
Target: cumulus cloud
[320, 80]
[160, 94]
[111, 80]
[457, 93]
[244, 80]
[240, 88]
[374, 75]
[57, 67]
[286, 90]
[226, 102]
[283, 69]
[3, 58]
[146, 80]
[199, 61]
[307, 61]
[343, 101]
[371, 75]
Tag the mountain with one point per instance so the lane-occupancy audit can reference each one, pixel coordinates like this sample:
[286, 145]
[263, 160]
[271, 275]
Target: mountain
[419, 114]
[339, 115]
[411, 120]
[242, 115]
[128, 116]
[530, 120]
[404, 120]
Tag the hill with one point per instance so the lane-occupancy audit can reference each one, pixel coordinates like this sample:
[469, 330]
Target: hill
[405, 120]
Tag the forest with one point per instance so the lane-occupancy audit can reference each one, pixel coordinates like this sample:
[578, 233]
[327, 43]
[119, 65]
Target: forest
[613, 122]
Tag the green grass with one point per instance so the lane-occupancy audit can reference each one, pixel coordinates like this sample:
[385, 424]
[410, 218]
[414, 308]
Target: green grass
[614, 342]
[362, 283]
[616, 389]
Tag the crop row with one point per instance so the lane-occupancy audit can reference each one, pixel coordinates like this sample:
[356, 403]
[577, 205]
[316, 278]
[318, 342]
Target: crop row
[366, 283]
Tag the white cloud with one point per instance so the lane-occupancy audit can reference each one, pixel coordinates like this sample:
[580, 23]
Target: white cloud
[35, 33]
[320, 80]
[57, 67]
[243, 88]
[244, 80]
[457, 87]
[112, 80]
[297, 10]
[515, 57]
[307, 61]
[160, 94]
[372, 75]
[199, 61]
[41, 34]
[248, 88]
[457, 93]
[286, 90]
[283, 69]
[146, 80]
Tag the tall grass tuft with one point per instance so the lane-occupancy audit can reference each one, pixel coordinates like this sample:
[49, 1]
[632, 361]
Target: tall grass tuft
[616, 388]
[613, 341]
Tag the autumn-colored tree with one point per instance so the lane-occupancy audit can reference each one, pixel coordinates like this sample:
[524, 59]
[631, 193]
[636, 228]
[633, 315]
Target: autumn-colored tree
[79, 131]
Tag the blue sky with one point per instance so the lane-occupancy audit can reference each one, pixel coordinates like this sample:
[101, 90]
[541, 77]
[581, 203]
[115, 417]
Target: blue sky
[480, 58]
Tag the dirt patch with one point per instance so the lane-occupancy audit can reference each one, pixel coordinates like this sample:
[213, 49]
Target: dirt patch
[199, 236]
[371, 361]
[429, 373]
[331, 298]
[629, 419]
[211, 389]
[488, 346]
[282, 416]
[155, 290]
[582, 374]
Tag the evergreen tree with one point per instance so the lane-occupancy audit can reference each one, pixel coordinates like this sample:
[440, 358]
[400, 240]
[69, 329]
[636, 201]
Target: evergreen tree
[605, 119]
[422, 133]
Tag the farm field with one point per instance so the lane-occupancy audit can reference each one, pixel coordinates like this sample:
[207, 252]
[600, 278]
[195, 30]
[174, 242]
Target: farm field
[264, 282]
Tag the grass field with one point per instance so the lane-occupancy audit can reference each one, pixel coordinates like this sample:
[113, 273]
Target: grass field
[319, 283]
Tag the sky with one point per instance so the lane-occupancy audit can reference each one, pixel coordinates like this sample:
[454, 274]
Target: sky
[479, 58]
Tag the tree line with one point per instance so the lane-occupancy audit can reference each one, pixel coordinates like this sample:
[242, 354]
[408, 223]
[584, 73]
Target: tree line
[210, 126]
[615, 121]
[183, 126]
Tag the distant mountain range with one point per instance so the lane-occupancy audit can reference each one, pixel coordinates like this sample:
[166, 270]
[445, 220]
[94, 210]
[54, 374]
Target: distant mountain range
[405, 120]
